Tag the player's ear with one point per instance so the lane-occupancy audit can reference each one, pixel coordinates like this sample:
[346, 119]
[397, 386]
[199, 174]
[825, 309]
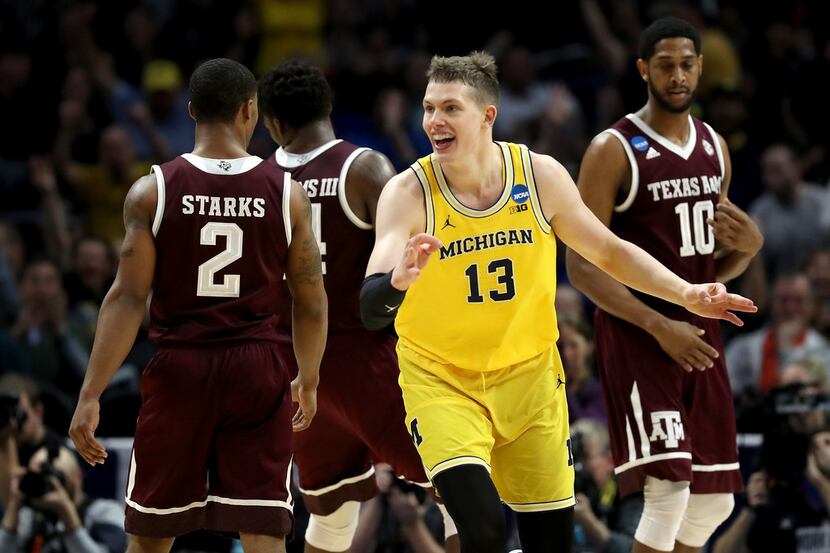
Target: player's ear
[249, 110]
[700, 65]
[642, 67]
[190, 110]
[490, 113]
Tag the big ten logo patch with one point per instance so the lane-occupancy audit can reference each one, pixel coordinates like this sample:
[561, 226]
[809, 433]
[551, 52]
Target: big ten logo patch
[518, 208]
[667, 426]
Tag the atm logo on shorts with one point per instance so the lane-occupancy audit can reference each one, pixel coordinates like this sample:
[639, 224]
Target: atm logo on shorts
[667, 426]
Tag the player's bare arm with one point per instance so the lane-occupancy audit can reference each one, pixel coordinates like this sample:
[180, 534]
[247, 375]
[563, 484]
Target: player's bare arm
[603, 174]
[737, 236]
[120, 317]
[304, 275]
[580, 229]
[365, 180]
[402, 249]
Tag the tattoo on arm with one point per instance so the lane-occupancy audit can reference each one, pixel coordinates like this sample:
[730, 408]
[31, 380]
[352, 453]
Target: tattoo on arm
[310, 269]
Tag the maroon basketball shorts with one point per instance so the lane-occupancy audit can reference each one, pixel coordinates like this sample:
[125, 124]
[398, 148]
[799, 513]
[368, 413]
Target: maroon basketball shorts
[213, 443]
[663, 421]
[360, 420]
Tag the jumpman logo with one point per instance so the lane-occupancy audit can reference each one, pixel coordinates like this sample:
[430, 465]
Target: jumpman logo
[559, 381]
[447, 223]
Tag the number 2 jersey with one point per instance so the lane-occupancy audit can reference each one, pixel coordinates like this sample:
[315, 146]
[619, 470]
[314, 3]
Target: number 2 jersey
[222, 229]
[484, 301]
[674, 190]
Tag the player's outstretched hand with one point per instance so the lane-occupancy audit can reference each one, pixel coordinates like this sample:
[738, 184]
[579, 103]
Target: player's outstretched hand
[82, 431]
[306, 396]
[416, 253]
[711, 300]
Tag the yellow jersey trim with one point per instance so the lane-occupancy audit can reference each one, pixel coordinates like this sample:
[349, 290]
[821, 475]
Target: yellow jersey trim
[507, 178]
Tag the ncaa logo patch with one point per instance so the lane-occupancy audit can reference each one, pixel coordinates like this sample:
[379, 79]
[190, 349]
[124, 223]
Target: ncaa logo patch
[640, 143]
[520, 193]
[708, 148]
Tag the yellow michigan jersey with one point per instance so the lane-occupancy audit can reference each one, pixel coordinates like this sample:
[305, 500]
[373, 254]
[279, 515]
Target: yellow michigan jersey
[485, 300]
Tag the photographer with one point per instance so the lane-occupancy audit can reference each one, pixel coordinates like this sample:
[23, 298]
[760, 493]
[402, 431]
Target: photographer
[401, 518]
[48, 511]
[22, 430]
[787, 500]
[605, 523]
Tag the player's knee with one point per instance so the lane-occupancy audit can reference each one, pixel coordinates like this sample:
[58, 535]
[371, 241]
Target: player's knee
[703, 515]
[665, 503]
[334, 532]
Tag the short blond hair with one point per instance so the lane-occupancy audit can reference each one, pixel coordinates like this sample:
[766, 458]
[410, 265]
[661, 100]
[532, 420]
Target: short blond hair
[477, 70]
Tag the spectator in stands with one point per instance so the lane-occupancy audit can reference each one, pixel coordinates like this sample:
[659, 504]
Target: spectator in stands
[755, 360]
[57, 517]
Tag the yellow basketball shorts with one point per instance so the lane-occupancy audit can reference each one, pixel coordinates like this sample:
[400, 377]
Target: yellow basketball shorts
[512, 421]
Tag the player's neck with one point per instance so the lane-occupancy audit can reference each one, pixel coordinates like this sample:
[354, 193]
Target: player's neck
[219, 141]
[475, 173]
[673, 126]
[310, 137]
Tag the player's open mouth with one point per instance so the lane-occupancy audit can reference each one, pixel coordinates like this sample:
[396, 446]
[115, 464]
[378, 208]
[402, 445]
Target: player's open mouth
[442, 142]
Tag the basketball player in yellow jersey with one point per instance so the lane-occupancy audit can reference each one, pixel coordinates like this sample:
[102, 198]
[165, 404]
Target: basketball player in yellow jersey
[464, 259]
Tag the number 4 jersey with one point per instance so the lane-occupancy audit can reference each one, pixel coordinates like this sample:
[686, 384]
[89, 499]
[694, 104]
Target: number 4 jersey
[673, 191]
[222, 229]
[485, 300]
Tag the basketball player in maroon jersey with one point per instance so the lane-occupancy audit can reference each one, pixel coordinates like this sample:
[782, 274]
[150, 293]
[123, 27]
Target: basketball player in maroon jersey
[212, 233]
[361, 413]
[658, 178]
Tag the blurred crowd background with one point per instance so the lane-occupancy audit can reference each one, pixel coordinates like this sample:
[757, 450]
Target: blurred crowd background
[94, 92]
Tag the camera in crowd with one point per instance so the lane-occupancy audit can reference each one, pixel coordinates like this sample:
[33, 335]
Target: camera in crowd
[36, 484]
[583, 479]
[798, 398]
[10, 409]
[408, 487]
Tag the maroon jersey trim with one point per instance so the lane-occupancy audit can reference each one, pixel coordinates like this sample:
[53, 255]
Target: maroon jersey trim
[160, 199]
[288, 504]
[292, 161]
[653, 459]
[718, 149]
[286, 207]
[635, 171]
[716, 468]
[341, 191]
[682, 151]
[346, 481]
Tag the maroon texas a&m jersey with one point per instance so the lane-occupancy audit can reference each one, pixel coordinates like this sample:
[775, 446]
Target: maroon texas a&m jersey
[345, 241]
[221, 243]
[674, 190]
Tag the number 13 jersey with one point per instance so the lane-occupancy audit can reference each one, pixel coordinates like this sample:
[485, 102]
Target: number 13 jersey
[222, 229]
[484, 301]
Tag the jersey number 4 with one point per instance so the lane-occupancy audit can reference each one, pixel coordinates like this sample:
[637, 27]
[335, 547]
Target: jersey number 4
[504, 269]
[206, 285]
[704, 238]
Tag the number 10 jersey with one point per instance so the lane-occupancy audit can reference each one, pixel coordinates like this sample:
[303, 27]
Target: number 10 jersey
[222, 230]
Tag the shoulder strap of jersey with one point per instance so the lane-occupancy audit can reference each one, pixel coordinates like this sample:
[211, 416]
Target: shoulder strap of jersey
[426, 177]
[523, 157]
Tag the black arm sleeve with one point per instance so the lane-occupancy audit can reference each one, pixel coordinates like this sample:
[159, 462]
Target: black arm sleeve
[379, 301]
